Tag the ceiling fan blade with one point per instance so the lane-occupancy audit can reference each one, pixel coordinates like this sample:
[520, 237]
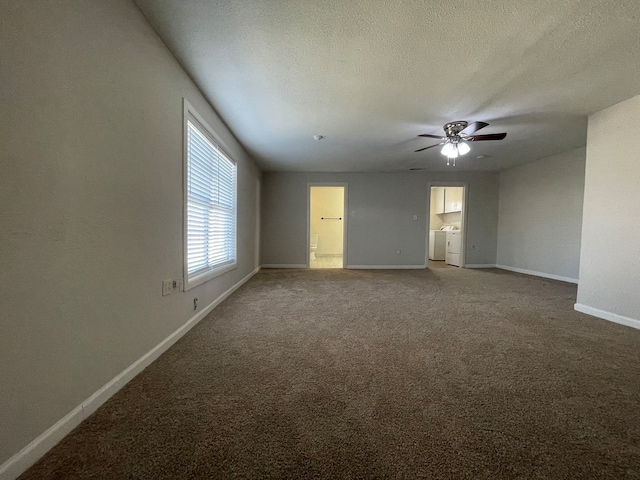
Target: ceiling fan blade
[430, 146]
[439, 137]
[491, 136]
[473, 127]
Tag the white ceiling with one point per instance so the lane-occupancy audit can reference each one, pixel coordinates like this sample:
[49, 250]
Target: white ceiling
[371, 75]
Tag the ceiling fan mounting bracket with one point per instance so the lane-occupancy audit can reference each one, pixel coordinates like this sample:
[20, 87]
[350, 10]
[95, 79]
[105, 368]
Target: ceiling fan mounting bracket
[454, 128]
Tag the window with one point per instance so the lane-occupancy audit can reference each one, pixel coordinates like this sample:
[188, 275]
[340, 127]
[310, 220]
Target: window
[210, 204]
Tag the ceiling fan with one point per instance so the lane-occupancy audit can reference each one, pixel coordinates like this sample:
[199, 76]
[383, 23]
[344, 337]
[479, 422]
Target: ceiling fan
[457, 136]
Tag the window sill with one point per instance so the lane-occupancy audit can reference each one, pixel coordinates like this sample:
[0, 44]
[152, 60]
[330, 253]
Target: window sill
[208, 274]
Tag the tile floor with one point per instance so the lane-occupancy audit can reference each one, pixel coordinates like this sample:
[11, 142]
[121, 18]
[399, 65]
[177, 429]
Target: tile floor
[328, 261]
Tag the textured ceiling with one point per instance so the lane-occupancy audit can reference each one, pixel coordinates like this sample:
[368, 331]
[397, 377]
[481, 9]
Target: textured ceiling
[371, 75]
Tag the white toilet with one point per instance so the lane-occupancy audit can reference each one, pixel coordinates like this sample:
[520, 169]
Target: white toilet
[313, 245]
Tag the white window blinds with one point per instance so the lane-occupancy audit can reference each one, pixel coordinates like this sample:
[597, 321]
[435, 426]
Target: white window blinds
[211, 204]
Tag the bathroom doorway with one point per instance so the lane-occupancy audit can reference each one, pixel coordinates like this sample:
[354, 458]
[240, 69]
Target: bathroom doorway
[327, 226]
[446, 232]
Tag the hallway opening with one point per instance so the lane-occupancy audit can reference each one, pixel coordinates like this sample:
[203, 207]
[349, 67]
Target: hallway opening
[326, 236]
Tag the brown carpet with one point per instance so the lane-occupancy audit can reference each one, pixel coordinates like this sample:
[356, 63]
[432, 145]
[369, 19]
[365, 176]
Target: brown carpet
[443, 373]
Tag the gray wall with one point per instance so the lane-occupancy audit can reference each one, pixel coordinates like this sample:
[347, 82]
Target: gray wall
[540, 221]
[610, 255]
[380, 217]
[91, 204]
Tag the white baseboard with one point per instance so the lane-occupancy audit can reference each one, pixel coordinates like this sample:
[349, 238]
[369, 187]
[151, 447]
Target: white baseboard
[612, 317]
[480, 265]
[284, 265]
[21, 461]
[538, 274]
[385, 267]
[30, 454]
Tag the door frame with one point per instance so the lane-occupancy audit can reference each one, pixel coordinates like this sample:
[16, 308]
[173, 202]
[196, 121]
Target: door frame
[463, 218]
[344, 217]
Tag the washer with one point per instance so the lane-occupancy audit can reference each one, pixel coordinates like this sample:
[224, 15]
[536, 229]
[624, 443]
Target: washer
[454, 241]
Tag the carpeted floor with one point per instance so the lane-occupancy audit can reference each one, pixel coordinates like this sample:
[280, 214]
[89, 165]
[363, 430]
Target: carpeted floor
[444, 373]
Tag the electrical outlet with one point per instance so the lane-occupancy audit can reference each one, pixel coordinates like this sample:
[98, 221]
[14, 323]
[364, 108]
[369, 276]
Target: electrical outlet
[398, 252]
[415, 217]
[195, 303]
[166, 287]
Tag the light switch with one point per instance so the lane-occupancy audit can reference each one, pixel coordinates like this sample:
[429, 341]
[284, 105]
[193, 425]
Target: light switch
[415, 217]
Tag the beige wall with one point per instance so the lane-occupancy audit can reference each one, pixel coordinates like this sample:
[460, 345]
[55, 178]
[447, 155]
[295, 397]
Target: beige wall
[380, 216]
[540, 219]
[328, 202]
[454, 219]
[91, 204]
[435, 220]
[610, 255]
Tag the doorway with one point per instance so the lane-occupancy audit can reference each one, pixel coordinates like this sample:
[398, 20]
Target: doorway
[446, 228]
[327, 220]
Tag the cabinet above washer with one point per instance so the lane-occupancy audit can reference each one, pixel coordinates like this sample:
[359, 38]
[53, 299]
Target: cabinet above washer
[452, 199]
[446, 200]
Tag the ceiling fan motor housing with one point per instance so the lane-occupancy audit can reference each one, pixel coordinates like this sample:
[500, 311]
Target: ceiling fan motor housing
[452, 129]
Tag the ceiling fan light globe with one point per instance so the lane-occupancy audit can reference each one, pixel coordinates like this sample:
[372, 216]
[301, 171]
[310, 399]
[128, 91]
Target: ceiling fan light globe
[448, 150]
[463, 148]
